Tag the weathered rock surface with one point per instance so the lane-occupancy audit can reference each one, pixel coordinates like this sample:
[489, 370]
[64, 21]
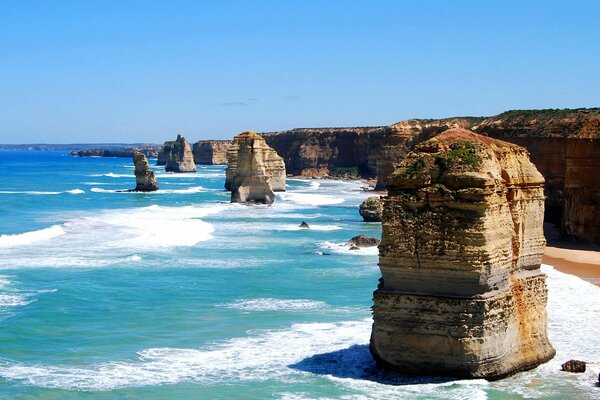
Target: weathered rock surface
[574, 366]
[462, 293]
[165, 151]
[363, 241]
[250, 143]
[211, 152]
[252, 170]
[370, 209]
[180, 158]
[145, 181]
[149, 150]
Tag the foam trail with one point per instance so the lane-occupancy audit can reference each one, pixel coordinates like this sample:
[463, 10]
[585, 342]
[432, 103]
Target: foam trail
[34, 192]
[344, 248]
[31, 237]
[270, 304]
[311, 199]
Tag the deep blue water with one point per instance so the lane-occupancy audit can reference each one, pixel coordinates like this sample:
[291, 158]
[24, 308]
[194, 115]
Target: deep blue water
[180, 294]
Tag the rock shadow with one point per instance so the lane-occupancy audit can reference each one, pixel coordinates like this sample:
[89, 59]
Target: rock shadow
[356, 362]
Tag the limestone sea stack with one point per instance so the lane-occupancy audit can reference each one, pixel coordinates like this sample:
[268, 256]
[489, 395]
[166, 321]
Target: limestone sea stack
[270, 161]
[252, 166]
[180, 158]
[462, 293]
[163, 154]
[145, 181]
[370, 209]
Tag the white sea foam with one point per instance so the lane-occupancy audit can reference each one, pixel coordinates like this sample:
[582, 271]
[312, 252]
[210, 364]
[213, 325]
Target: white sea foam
[75, 191]
[339, 352]
[31, 237]
[344, 248]
[33, 192]
[189, 190]
[113, 175]
[311, 199]
[14, 300]
[270, 304]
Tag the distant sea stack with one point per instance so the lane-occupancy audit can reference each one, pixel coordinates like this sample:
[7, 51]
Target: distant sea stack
[461, 291]
[163, 154]
[145, 181]
[270, 162]
[211, 152]
[180, 158]
[253, 170]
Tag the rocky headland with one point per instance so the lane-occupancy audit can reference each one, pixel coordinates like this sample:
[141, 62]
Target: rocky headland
[254, 170]
[150, 151]
[461, 292]
[250, 143]
[211, 152]
[145, 180]
[179, 157]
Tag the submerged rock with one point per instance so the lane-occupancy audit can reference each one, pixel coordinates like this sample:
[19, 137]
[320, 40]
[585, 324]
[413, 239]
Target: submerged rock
[250, 182]
[145, 181]
[462, 243]
[304, 225]
[573, 366]
[271, 163]
[363, 241]
[180, 158]
[371, 209]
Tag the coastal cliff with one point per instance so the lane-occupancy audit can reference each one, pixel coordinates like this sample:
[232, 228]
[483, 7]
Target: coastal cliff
[211, 152]
[461, 291]
[270, 162]
[254, 170]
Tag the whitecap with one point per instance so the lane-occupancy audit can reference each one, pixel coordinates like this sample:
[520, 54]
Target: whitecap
[31, 237]
[270, 304]
[314, 227]
[33, 192]
[311, 199]
[344, 248]
[75, 191]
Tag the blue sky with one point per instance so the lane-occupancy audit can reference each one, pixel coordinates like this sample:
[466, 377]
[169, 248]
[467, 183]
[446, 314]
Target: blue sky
[141, 71]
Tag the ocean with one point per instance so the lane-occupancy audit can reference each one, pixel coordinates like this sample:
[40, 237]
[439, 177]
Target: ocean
[179, 294]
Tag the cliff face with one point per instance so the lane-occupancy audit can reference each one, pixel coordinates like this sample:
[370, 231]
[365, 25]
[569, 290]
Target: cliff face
[211, 152]
[145, 181]
[253, 165]
[565, 147]
[270, 162]
[462, 243]
[163, 154]
[328, 151]
[180, 158]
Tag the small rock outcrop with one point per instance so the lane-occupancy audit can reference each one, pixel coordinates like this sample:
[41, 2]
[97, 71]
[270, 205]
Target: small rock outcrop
[363, 241]
[180, 158]
[574, 366]
[370, 209]
[270, 162]
[145, 181]
[211, 152]
[252, 170]
[462, 293]
[304, 225]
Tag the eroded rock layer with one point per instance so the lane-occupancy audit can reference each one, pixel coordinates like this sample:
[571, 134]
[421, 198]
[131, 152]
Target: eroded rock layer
[211, 152]
[180, 158]
[145, 180]
[461, 292]
[254, 170]
[270, 162]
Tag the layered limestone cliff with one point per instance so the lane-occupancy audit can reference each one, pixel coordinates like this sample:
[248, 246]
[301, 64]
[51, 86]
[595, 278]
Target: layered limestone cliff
[272, 164]
[328, 151]
[252, 177]
[461, 291]
[180, 158]
[145, 181]
[211, 152]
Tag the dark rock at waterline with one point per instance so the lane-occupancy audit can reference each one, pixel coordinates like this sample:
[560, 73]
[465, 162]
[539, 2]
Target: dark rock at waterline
[304, 225]
[371, 209]
[353, 247]
[363, 241]
[574, 366]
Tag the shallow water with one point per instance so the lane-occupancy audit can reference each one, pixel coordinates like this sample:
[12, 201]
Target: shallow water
[179, 294]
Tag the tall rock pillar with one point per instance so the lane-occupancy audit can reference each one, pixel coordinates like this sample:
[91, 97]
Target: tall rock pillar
[462, 293]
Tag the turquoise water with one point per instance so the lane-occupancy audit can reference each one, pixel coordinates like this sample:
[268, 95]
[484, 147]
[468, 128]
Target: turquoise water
[180, 294]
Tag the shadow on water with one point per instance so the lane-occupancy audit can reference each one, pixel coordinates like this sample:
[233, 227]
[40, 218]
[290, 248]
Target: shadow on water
[356, 362]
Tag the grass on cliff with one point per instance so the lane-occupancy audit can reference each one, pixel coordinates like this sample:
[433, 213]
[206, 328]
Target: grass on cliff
[344, 172]
[461, 153]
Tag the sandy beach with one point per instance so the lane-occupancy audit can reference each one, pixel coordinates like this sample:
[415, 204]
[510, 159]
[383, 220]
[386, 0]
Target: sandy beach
[582, 260]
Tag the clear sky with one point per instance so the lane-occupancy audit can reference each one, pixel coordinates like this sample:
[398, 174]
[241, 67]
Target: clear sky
[141, 71]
